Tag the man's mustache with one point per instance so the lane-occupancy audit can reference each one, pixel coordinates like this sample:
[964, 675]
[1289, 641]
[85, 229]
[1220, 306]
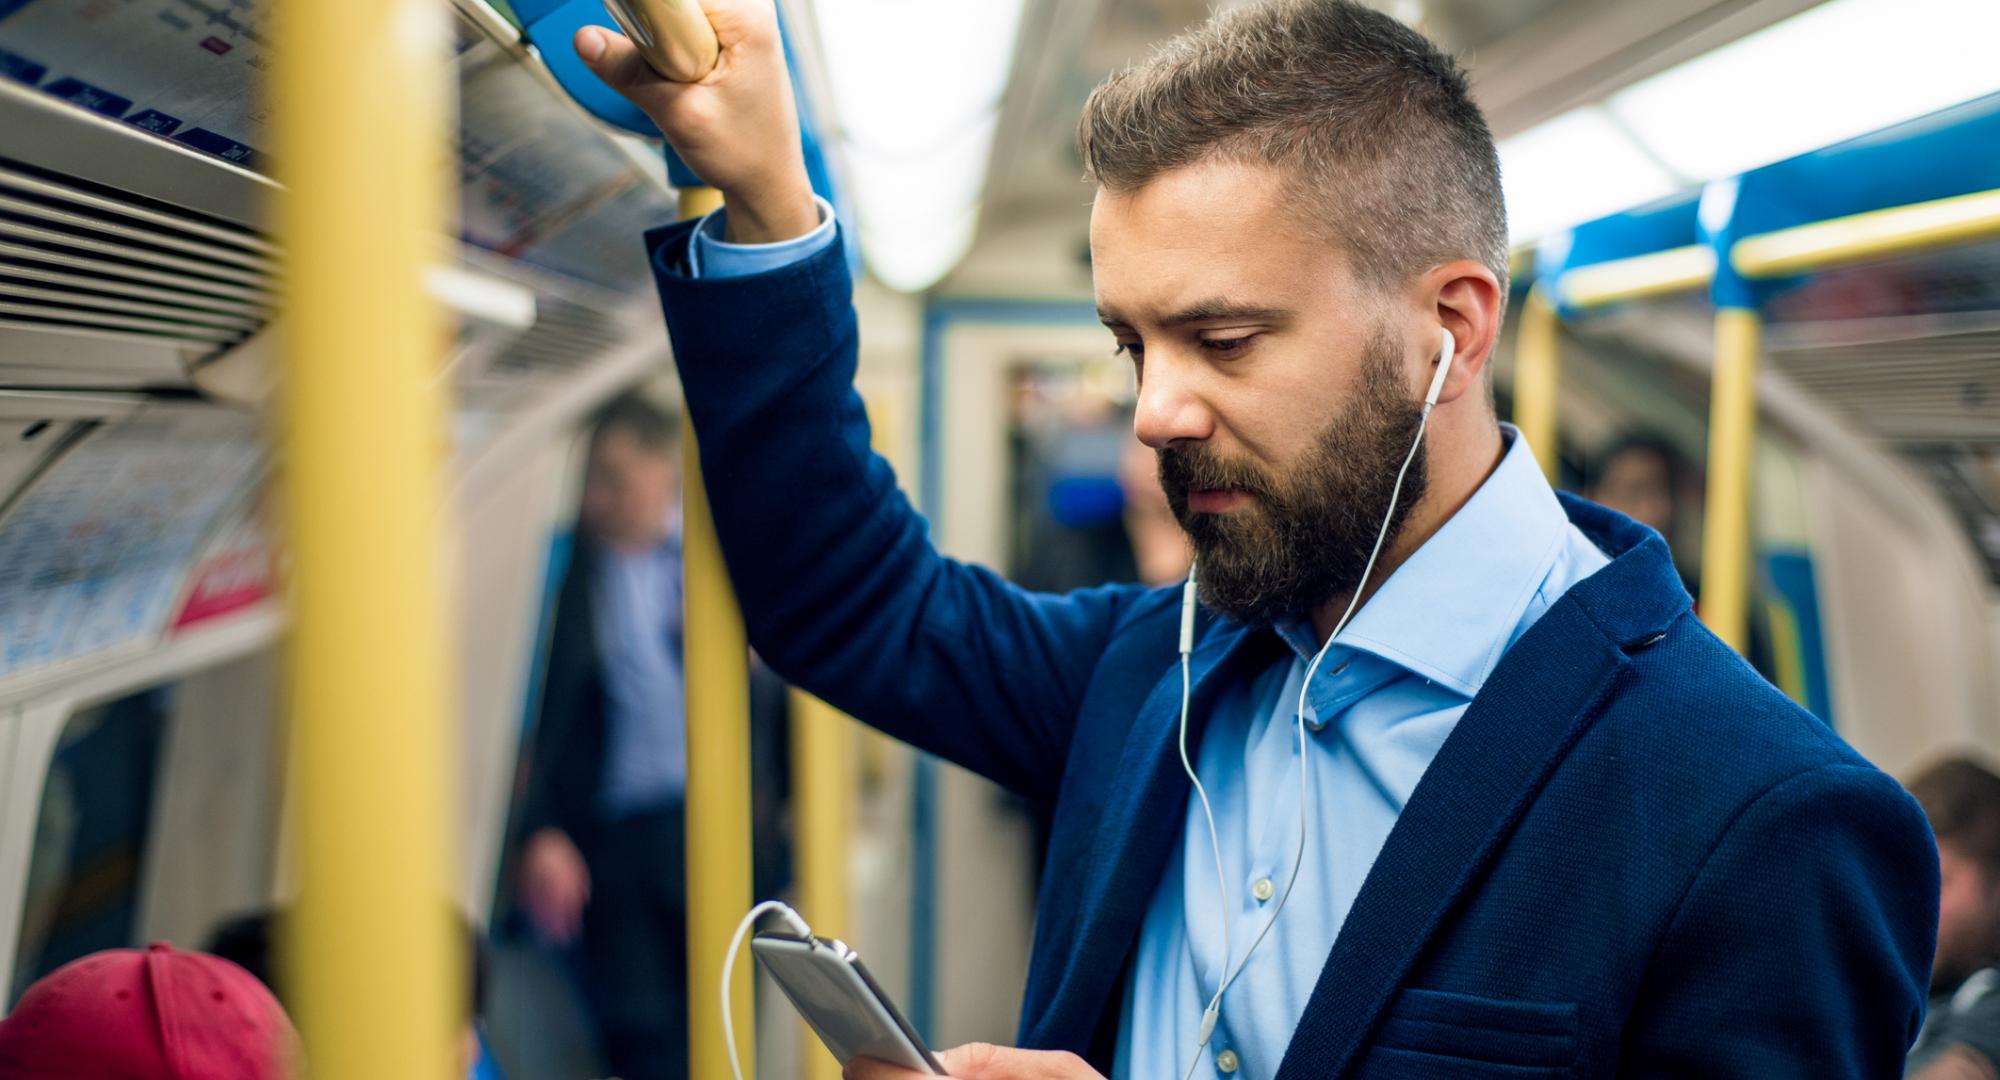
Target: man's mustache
[1189, 468]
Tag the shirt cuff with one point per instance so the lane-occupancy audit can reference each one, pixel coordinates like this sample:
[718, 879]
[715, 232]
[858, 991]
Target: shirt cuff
[710, 256]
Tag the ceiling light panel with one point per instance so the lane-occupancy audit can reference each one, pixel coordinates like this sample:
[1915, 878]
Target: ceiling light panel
[1839, 70]
[1575, 168]
[907, 74]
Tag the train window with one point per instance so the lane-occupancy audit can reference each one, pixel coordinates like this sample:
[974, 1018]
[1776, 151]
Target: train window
[91, 835]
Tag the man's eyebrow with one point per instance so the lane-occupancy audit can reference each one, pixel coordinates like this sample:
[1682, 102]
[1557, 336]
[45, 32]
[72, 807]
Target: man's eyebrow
[1219, 310]
[1211, 310]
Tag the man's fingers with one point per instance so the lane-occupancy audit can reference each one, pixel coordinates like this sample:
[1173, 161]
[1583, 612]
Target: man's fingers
[972, 1059]
[981, 1061]
[613, 58]
[870, 1069]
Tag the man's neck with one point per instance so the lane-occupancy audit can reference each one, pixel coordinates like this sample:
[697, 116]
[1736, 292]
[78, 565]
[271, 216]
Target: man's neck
[1460, 458]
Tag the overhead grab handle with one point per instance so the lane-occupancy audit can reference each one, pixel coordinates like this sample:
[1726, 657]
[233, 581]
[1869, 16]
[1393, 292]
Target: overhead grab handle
[673, 35]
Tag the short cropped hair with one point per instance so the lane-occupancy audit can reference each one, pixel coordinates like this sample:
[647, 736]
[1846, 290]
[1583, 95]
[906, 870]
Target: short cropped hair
[1962, 799]
[1376, 125]
[653, 428]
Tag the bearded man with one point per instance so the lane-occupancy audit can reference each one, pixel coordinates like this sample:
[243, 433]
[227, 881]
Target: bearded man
[1551, 826]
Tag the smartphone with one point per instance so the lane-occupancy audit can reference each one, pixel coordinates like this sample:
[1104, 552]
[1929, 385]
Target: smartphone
[830, 987]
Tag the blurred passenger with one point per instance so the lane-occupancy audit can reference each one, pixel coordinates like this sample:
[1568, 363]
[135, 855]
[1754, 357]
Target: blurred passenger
[1960, 1039]
[1067, 499]
[602, 862]
[148, 1014]
[252, 942]
[1548, 824]
[1158, 545]
[1645, 477]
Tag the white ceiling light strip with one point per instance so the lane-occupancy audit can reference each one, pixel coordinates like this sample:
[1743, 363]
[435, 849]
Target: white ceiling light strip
[1845, 68]
[916, 87]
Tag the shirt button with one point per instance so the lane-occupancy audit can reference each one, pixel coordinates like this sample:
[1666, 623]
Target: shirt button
[1262, 891]
[1226, 1061]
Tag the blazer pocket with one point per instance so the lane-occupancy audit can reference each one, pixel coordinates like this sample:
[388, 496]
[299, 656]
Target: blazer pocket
[1436, 1027]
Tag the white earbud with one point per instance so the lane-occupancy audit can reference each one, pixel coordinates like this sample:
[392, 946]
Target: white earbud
[1444, 369]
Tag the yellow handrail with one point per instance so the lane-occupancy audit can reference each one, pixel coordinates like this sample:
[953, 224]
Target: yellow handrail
[823, 795]
[360, 101]
[1727, 543]
[1872, 235]
[1537, 377]
[717, 661]
[673, 35]
[1732, 452]
[1659, 273]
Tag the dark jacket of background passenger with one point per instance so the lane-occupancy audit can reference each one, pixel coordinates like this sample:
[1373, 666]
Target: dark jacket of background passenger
[1632, 857]
[563, 769]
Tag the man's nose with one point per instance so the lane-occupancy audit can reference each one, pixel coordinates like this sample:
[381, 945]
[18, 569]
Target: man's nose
[1171, 408]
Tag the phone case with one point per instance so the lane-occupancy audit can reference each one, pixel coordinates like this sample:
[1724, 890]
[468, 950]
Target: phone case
[830, 987]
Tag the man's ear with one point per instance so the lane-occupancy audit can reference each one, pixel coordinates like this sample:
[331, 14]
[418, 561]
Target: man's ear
[1467, 300]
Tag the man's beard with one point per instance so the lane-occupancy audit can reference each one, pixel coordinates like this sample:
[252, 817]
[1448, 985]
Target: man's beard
[1306, 537]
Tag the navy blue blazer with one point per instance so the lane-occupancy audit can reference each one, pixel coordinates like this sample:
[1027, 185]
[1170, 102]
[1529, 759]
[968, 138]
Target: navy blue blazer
[1633, 857]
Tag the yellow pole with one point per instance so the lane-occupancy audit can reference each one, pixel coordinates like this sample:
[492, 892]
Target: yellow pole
[823, 799]
[717, 661]
[1732, 452]
[1537, 374]
[360, 100]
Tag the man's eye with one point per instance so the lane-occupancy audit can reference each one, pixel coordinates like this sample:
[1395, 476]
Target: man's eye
[1133, 349]
[1227, 346]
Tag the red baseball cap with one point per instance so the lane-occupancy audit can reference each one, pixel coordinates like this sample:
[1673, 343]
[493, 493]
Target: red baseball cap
[156, 1014]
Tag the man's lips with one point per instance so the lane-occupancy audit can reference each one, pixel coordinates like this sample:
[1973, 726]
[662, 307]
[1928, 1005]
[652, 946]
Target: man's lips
[1217, 500]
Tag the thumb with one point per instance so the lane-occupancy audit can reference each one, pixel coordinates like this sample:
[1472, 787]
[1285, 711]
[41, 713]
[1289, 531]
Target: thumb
[611, 56]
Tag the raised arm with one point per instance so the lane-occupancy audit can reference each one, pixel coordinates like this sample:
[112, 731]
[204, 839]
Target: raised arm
[840, 587]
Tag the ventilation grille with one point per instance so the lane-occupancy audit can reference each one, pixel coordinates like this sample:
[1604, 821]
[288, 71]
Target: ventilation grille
[91, 265]
[77, 258]
[566, 337]
[1908, 383]
[1927, 386]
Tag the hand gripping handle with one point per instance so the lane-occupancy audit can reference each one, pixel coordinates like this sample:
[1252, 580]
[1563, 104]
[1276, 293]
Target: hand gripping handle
[673, 35]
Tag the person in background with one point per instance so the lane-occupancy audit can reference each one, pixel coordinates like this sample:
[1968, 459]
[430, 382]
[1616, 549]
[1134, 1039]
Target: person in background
[1158, 546]
[601, 865]
[148, 1014]
[1645, 477]
[248, 941]
[1960, 1039]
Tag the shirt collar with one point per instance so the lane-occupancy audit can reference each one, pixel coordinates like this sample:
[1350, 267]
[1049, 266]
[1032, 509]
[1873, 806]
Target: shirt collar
[1451, 609]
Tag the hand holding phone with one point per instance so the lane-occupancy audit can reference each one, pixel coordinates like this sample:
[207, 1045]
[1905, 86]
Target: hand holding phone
[979, 1061]
[830, 987]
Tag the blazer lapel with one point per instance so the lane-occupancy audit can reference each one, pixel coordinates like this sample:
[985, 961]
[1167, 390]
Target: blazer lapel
[1538, 700]
[1140, 821]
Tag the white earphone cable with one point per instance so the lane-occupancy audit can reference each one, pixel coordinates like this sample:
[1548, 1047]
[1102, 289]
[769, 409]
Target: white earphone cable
[1221, 879]
[793, 922]
[1213, 1012]
[1298, 858]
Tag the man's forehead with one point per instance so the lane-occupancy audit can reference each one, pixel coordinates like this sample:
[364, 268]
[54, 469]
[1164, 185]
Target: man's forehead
[1211, 235]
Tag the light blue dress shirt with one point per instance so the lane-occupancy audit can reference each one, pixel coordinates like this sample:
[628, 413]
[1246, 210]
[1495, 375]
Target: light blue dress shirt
[709, 255]
[635, 605]
[1382, 703]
